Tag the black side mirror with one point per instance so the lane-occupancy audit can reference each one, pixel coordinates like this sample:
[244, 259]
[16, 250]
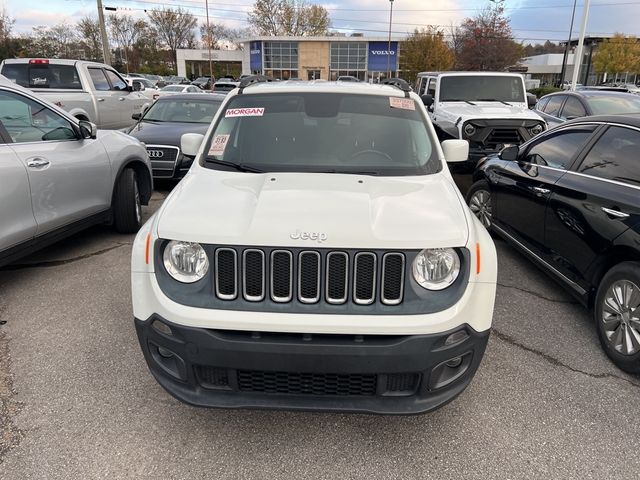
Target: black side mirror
[509, 153]
[88, 129]
[427, 100]
[136, 116]
[137, 86]
[531, 100]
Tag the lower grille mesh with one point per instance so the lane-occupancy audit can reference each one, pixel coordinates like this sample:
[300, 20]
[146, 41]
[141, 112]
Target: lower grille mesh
[307, 383]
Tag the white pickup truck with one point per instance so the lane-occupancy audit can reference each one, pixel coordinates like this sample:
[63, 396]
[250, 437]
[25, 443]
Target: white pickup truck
[488, 109]
[87, 90]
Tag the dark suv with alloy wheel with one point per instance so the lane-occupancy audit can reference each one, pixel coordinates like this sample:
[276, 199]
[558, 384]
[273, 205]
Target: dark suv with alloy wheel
[570, 200]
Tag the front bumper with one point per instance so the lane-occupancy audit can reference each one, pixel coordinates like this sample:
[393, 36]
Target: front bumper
[386, 374]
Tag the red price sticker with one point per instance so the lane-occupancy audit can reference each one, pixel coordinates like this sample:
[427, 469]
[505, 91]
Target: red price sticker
[403, 103]
[218, 145]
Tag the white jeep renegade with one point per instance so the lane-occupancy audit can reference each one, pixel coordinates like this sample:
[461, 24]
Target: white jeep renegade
[316, 256]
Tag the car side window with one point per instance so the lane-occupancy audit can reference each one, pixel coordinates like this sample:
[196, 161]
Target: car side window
[28, 121]
[117, 83]
[615, 156]
[553, 107]
[542, 103]
[100, 82]
[559, 150]
[573, 109]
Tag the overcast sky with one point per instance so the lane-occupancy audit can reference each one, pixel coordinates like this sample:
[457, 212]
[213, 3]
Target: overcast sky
[533, 21]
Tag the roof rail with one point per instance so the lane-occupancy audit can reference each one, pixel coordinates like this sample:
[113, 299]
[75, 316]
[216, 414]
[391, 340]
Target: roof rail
[398, 83]
[250, 80]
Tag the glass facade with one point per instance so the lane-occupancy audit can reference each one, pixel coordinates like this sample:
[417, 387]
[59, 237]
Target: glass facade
[348, 58]
[281, 59]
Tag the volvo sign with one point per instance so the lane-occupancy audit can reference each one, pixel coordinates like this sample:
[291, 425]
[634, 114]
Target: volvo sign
[378, 53]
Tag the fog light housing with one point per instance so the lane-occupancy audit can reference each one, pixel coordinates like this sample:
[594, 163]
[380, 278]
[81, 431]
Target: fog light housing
[454, 362]
[164, 353]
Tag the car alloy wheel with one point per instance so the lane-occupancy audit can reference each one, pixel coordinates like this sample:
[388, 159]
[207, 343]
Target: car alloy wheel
[480, 205]
[138, 202]
[621, 317]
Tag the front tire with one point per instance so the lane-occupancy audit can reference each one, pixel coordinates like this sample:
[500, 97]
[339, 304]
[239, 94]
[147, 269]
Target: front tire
[127, 206]
[617, 315]
[480, 202]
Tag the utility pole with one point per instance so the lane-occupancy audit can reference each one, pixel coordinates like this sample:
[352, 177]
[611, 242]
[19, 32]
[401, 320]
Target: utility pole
[206, 2]
[578, 55]
[106, 52]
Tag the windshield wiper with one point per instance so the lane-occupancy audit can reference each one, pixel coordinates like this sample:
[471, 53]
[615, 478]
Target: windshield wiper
[241, 167]
[494, 100]
[459, 100]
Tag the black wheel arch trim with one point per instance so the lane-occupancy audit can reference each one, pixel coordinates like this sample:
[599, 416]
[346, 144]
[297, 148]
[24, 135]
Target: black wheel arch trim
[145, 178]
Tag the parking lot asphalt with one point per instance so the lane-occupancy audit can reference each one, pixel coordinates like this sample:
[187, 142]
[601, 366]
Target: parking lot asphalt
[77, 400]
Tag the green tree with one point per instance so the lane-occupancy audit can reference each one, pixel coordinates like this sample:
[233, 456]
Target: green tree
[485, 42]
[288, 17]
[619, 54]
[425, 50]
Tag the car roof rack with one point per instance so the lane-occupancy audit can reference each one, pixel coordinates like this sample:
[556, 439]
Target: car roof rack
[398, 83]
[250, 80]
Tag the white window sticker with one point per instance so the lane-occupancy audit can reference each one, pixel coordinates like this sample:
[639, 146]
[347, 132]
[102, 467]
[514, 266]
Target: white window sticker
[244, 112]
[218, 145]
[403, 103]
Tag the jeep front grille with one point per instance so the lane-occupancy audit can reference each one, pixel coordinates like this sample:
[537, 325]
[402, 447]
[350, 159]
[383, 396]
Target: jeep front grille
[308, 276]
[503, 136]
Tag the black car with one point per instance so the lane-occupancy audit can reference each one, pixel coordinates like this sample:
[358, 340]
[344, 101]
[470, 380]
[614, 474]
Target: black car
[570, 200]
[163, 125]
[557, 108]
[204, 83]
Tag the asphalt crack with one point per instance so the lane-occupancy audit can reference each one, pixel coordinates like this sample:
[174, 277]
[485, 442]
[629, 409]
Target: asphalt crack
[555, 362]
[538, 295]
[66, 261]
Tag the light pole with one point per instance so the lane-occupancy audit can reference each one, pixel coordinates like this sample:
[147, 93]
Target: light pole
[389, 44]
[206, 3]
[578, 55]
[566, 49]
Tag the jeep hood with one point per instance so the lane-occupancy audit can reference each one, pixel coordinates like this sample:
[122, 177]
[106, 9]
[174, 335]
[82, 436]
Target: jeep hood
[489, 110]
[348, 211]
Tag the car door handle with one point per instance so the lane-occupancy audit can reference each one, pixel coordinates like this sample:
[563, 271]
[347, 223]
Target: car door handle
[614, 213]
[121, 99]
[37, 163]
[101, 99]
[542, 191]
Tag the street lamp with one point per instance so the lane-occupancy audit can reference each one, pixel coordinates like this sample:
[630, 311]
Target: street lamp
[389, 44]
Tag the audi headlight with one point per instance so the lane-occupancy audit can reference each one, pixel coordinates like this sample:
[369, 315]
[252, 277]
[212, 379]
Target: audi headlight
[436, 268]
[469, 130]
[536, 130]
[185, 261]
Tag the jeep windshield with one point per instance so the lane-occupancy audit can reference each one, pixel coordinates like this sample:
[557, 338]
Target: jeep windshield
[322, 132]
[479, 88]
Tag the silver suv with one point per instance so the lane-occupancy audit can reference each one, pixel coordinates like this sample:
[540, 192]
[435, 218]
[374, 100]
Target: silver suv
[59, 175]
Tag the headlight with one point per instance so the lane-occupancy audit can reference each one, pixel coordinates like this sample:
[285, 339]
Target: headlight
[469, 130]
[436, 268]
[186, 262]
[536, 130]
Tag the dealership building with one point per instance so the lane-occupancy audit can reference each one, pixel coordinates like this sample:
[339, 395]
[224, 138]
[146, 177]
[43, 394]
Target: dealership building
[308, 58]
[325, 58]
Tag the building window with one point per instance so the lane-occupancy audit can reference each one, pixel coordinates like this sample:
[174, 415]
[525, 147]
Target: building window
[280, 55]
[349, 58]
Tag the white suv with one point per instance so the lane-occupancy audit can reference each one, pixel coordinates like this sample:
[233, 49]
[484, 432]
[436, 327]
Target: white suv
[316, 256]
